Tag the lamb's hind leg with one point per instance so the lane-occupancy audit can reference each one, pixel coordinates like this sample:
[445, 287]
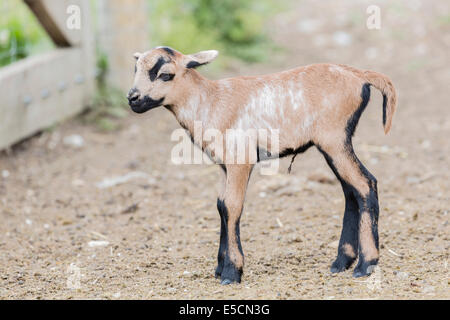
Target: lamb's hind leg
[360, 229]
[368, 227]
[348, 243]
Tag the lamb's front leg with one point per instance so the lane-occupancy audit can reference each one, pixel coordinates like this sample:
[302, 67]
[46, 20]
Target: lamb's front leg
[223, 223]
[230, 211]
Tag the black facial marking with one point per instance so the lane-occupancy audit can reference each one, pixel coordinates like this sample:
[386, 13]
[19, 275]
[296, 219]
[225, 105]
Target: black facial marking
[194, 64]
[153, 72]
[145, 104]
[169, 50]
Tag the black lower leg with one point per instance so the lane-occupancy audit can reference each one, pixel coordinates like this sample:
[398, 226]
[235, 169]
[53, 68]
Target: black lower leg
[223, 237]
[348, 243]
[230, 272]
[368, 235]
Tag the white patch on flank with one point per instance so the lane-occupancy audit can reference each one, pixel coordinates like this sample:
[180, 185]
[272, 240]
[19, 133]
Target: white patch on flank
[296, 95]
[267, 98]
[308, 122]
[265, 108]
[261, 107]
[252, 104]
[299, 99]
[294, 103]
[252, 121]
[326, 102]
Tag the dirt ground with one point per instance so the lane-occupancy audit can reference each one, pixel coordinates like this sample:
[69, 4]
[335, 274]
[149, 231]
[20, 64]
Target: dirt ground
[156, 235]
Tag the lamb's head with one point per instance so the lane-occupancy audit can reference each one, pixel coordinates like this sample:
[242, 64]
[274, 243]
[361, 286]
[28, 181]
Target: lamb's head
[161, 74]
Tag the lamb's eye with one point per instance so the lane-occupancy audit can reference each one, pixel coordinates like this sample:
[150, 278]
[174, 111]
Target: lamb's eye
[166, 76]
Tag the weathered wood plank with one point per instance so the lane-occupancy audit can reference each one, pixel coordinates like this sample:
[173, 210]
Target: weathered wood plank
[123, 30]
[53, 15]
[42, 90]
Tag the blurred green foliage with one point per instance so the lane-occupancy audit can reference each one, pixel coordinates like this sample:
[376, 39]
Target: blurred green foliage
[235, 27]
[109, 104]
[444, 20]
[20, 33]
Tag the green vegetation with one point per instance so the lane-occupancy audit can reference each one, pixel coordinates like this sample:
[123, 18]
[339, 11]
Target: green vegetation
[20, 33]
[234, 27]
[106, 108]
[108, 104]
[444, 20]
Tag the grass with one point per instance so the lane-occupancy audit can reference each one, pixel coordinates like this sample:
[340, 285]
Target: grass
[21, 35]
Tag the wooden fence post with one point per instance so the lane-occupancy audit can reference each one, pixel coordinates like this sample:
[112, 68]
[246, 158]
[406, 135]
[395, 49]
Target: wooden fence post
[123, 30]
[41, 90]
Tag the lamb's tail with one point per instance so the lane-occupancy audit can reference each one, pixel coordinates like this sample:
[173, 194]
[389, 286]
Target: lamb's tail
[384, 84]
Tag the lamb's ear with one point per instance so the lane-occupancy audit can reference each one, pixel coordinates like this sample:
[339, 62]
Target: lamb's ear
[137, 55]
[200, 58]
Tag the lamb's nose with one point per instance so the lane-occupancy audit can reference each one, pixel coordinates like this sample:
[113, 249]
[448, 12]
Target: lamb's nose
[133, 95]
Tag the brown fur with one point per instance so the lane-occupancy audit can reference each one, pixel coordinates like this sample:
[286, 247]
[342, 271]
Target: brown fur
[236, 185]
[366, 240]
[310, 104]
[349, 250]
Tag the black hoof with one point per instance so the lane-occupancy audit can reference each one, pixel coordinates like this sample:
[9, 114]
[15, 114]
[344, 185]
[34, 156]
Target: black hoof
[230, 275]
[341, 264]
[336, 268]
[364, 269]
[218, 272]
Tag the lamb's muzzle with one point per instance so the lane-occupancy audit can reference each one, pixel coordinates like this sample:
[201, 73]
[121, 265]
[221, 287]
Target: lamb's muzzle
[141, 105]
[133, 95]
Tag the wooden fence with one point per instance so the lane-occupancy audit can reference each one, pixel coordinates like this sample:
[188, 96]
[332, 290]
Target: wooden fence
[42, 90]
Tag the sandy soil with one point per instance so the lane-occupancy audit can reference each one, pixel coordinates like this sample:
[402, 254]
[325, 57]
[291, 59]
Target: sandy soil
[159, 232]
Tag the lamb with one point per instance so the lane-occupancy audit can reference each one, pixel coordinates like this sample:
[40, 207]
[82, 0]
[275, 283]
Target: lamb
[316, 105]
